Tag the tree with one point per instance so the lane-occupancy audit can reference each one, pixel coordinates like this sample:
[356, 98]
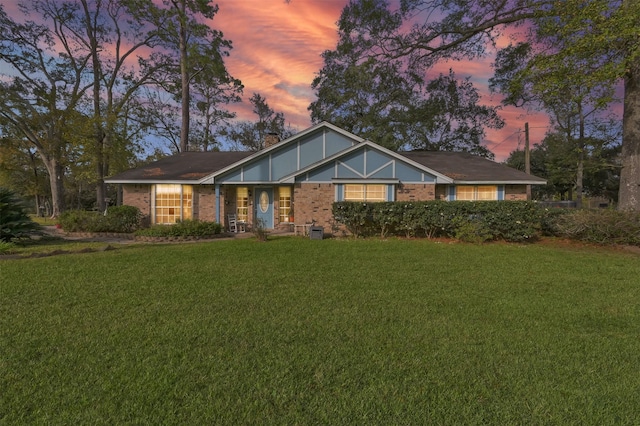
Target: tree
[600, 43]
[211, 91]
[113, 32]
[575, 108]
[14, 221]
[22, 170]
[46, 88]
[556, 160]
[391, 103]
[246, 135]
[200, 50]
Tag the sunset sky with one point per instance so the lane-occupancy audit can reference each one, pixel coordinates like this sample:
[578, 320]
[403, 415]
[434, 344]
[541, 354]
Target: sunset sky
[276, 52]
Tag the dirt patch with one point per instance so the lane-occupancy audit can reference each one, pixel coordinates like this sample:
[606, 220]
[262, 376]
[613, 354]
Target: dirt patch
[58, 252]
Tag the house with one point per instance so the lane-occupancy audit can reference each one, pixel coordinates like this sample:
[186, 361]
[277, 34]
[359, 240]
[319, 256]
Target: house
[297, 180]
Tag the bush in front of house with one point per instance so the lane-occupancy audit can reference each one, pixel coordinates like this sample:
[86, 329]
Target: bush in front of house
[185, 228]
[119, 219]
[599, 226]
[476, 221]
[14, 220]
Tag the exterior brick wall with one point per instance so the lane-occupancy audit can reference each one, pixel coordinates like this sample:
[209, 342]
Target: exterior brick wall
[204, 202]
[138, 196]
[313, 202]
[515, 192]
[416, 192]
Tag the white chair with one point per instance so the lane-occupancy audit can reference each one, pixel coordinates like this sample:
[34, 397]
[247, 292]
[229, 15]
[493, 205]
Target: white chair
[235, 226]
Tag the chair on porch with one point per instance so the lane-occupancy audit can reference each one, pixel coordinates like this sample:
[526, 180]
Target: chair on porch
[235, 226]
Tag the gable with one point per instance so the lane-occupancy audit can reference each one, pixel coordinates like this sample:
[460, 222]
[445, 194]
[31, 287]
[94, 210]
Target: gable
[365, 162]
[285, 158]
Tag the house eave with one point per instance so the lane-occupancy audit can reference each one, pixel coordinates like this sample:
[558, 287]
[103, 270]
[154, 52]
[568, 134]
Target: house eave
[499, 182]
[151, 182]
[389, 181]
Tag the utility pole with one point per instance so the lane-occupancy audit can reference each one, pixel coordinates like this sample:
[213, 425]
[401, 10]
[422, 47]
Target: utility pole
[527, 157]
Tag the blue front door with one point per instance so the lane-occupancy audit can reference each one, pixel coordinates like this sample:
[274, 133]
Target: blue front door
[264, 206]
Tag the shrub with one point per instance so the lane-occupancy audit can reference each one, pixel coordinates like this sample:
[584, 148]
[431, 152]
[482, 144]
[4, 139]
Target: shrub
[600, 226]
[118, 219]
[123, 218]
[185, 228]
[466, 220]
[357, 217]
[6, 247]
[260, 230]
[79, 221]
[14, 220]
[471, 230]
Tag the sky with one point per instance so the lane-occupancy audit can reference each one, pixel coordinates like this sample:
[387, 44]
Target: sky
[276, 52]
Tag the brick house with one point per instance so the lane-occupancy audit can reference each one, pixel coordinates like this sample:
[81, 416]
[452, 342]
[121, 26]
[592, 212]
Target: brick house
[297, 180]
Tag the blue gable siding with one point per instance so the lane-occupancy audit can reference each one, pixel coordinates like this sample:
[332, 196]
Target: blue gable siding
[297, 154]
[407, 173]
[367, 163]
[353, 161]
[233, 176]
[257, 171]
[311, 150]
[375, 160]
[284, 162]
[335, 142]
[323, 174]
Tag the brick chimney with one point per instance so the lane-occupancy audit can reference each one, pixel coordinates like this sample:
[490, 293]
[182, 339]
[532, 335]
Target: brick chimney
[271, 139]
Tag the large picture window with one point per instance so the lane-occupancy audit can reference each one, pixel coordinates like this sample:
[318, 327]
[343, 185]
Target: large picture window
[173, 203]
[476, 193]
[284, 203]
[242, 204]
[364, 192]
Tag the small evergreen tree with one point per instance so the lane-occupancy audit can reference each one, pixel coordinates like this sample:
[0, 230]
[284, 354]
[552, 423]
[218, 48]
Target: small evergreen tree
[14, 221]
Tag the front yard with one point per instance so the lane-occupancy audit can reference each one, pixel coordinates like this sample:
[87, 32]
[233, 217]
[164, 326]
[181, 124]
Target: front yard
[295, 331]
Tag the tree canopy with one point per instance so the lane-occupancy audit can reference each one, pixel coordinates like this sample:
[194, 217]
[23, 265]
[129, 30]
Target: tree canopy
[390, 101]
[86, 82]
[252, 135]
[592, 42]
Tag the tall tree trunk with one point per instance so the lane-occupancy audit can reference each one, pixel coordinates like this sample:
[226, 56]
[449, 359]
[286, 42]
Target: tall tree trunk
[629, 195]
[56, 176]
[184, 71]
[580, 171]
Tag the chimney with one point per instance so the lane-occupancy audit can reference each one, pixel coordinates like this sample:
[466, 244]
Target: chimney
[271, 139]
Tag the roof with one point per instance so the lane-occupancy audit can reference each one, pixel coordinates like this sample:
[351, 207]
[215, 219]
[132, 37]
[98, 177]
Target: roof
[204, 167]
[463, 167]
[184, 167]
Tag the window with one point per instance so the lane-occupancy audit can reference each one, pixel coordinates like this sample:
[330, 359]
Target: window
[285, 203]
[242, 204]
[476, 193]
[363, 192]
[487, 192]
[173, 203]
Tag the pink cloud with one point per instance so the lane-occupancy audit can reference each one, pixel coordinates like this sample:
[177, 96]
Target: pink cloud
[276, 52]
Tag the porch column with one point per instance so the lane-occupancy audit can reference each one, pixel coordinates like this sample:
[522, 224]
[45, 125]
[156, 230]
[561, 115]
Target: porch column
[218, 203]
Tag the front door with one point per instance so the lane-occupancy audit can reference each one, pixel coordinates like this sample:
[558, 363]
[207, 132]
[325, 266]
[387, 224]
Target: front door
[264, 206]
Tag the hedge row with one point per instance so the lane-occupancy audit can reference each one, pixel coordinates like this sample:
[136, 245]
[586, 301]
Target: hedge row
[185, 228]
[468, 221]
[118, 219]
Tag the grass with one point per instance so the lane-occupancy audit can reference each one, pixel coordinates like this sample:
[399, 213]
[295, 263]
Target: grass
[295, 331]
[44, 221]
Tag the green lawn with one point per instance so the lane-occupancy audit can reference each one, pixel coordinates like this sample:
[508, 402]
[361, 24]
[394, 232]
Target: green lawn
[295, 331]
